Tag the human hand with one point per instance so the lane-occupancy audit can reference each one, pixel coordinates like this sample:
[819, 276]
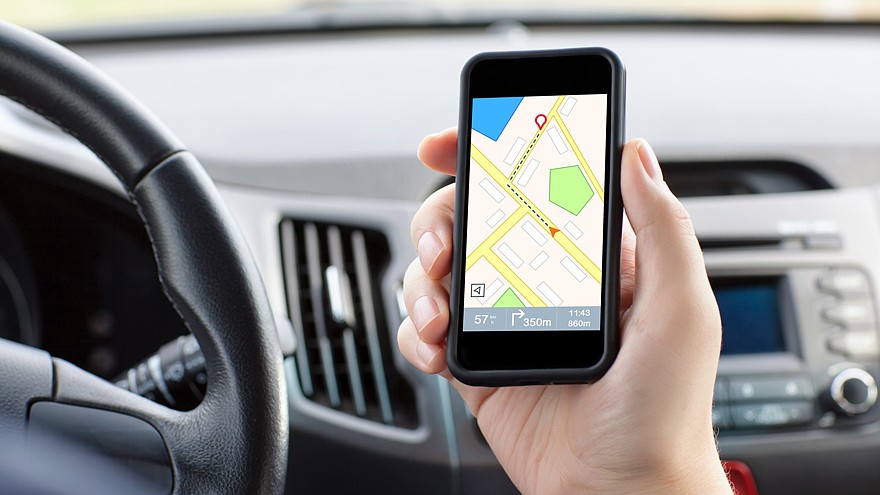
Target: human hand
[645, 427]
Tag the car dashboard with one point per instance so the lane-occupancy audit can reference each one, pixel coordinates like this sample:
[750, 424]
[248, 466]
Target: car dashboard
[770, 133]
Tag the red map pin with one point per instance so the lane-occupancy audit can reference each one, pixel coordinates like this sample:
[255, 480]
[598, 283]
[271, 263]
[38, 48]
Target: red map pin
[541, 119]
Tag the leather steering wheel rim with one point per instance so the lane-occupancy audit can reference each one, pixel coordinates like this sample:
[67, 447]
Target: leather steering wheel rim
[236, 440]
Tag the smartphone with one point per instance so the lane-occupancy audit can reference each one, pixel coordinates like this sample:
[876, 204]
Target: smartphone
[536, 254]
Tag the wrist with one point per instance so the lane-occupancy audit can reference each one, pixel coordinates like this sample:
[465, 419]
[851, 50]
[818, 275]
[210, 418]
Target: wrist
[697, 472]
[709, 479]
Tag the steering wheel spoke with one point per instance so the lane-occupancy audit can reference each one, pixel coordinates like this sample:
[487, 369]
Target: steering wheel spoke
[57, 397]
[187, 435]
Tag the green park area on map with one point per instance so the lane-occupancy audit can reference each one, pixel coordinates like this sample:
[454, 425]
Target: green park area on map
[509, 300]
[569, 189]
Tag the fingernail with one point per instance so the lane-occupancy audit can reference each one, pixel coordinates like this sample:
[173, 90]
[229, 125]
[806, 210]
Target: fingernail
[429, 250]
[426, 353]
[649, 161]
[424, 311]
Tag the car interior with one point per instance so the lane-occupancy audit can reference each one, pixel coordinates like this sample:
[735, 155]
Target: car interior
[265, 359]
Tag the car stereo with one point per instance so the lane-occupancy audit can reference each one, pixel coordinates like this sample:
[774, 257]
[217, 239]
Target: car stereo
[799, 349]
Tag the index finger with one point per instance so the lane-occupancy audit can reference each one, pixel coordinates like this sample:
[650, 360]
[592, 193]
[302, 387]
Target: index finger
[438, 151]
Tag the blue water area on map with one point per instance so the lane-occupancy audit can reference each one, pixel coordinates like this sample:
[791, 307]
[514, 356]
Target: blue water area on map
[490, 116]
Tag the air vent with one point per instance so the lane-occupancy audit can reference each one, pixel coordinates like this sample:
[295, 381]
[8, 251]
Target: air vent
[343, 355]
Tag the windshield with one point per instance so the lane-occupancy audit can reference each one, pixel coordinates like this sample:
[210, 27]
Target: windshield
[54, 15]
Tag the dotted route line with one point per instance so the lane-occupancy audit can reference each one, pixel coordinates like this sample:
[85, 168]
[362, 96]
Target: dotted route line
[528, 205]
[525, 155]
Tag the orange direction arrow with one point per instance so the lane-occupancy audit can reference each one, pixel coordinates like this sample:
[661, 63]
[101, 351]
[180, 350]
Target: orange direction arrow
[553, 231]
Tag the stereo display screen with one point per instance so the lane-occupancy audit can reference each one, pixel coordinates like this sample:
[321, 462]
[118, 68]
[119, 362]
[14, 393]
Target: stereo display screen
[751, 314]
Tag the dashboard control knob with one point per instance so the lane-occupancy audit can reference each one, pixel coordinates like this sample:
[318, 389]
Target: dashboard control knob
[854, 391]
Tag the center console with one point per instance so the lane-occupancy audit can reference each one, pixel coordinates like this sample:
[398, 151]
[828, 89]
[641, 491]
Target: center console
[799, 349]
[797, 277]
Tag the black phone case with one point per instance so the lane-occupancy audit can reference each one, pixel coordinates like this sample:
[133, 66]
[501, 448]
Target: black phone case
[611, 286]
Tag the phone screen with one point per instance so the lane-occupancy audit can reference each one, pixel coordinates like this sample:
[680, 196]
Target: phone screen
[534, 285]
[535, 213]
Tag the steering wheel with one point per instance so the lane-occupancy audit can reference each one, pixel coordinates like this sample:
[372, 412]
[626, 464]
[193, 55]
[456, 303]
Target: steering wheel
[236, 440]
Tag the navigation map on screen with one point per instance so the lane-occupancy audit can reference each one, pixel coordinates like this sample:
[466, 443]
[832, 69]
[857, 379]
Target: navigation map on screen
[535, 213]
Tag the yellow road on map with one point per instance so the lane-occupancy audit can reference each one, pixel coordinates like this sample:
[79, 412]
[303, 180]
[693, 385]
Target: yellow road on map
[495, 237]
[485, 248]
[536, 137]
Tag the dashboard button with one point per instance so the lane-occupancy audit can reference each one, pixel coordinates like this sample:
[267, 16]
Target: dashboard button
[763, 389]
[853, 391]
[855, 344]
[850, 313]
[844, 281]
[772, 414]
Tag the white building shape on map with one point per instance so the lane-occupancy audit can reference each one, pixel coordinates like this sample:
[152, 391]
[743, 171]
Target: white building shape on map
[526, 174]
[567, 106]
[539, 260]
[534, 233]
[558, 140]
[548, 294]
[515, 151]
[572, 230]
[492, 190]
[574, 269]
[495, 219]
[510, 255]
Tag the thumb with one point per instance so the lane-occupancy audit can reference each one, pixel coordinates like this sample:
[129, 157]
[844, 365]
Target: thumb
[667, 246]
[673, 304]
